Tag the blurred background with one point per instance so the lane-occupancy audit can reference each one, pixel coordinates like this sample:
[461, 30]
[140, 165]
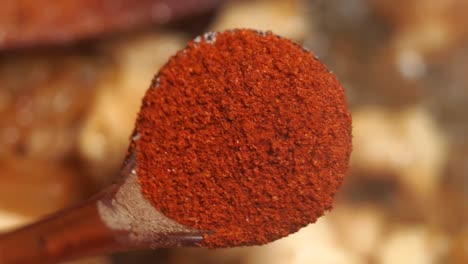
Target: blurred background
[72, 74]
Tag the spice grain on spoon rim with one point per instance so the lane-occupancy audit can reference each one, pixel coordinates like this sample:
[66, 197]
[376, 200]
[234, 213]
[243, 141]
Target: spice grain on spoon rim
[243, 138]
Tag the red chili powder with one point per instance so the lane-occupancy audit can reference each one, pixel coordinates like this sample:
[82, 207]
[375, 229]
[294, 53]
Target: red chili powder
[245, 134]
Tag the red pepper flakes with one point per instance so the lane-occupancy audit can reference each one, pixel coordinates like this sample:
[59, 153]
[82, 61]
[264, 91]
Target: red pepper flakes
[245, 134]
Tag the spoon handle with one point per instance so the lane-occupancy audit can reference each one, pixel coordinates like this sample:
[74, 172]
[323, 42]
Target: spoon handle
[117, 219]
[65, 235]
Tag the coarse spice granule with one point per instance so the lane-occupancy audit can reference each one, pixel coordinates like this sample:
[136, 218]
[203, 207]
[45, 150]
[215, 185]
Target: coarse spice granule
[245, 134]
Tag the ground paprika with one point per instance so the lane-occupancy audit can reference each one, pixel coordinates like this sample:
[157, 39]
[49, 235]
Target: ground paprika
[245, 134]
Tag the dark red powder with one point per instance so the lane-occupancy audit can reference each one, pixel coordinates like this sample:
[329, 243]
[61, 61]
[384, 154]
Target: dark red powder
[245, 134]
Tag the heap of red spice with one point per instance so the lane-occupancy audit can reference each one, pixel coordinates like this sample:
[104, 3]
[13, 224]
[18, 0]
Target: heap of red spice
[245, 134]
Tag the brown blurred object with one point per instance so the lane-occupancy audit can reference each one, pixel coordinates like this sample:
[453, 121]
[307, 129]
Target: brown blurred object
[42, 99]
[25, 23]
[406, 144]
[286, 17]
[459, 250]
[34, 188]
[427, 26]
